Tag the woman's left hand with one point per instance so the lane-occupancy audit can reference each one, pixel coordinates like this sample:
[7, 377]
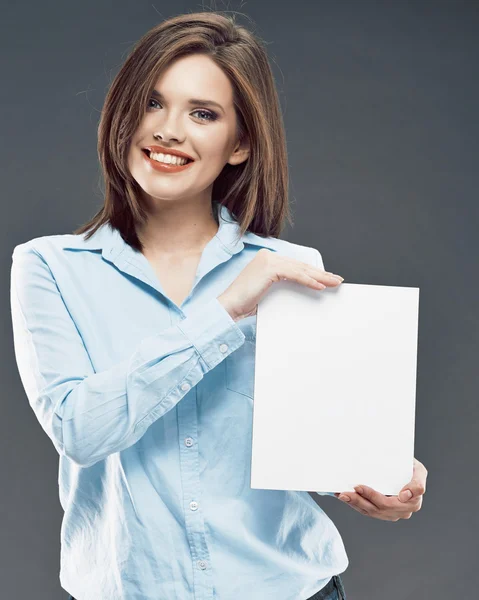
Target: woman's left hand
[371, 503]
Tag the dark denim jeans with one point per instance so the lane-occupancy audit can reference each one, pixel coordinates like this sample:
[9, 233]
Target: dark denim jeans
[333, 590]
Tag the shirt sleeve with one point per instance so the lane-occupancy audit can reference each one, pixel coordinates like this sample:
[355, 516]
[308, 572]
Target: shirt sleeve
[90, 415]
[320, 265]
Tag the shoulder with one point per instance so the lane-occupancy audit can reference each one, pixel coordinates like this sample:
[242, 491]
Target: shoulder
[43, 245]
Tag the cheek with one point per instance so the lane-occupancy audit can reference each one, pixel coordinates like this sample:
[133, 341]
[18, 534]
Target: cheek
[132, 148]
[133, 159]
[213, 144]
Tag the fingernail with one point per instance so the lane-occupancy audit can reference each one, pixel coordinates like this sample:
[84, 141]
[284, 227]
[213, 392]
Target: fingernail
[344, 498]
[406, 495]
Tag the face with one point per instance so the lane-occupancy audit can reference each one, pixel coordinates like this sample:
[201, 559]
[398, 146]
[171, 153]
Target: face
[206, 133]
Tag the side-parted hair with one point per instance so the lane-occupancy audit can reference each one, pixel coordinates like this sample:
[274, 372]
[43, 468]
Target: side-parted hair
[255, 191]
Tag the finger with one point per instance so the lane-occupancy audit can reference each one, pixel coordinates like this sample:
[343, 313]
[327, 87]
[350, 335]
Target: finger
[297, 270]
[306, 265]
[305, 275]
[416, 487]
[359, 503]
[320, 277]
[309, 275]
[324, 277]
[405, 494]
[412, 490]
[376, 498]
[400, 509]
[419, 465]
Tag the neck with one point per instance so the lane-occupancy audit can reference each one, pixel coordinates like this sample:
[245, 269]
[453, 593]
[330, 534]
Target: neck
[178, 230]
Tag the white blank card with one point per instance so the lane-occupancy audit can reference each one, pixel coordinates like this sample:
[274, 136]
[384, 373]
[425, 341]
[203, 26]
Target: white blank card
[335, 388]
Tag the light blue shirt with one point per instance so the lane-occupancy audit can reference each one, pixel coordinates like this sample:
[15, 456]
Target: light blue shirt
[149, 406]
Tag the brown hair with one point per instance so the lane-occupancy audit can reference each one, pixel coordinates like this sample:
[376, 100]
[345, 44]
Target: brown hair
[255, 191]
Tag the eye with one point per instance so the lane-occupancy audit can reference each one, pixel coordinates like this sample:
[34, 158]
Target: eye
[210, 115]
[152, 100]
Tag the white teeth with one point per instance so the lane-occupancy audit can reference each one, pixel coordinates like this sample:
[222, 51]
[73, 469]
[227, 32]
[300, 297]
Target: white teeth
[168, 159]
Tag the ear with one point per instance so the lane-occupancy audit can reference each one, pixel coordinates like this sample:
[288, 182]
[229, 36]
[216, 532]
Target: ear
[240, 153]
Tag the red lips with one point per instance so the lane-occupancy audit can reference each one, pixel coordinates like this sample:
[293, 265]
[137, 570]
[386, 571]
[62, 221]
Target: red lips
[163, 150]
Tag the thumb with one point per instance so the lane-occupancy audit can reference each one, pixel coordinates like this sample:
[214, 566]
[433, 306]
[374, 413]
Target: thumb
[405, 495]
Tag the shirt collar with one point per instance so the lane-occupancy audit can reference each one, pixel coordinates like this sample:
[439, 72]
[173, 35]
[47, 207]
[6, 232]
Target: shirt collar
[109, 240]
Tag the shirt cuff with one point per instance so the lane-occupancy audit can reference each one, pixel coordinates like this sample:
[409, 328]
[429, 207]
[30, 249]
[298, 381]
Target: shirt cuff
[213, 332]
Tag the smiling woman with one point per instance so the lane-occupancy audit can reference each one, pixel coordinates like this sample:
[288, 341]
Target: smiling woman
[139, 374]
[198, 85]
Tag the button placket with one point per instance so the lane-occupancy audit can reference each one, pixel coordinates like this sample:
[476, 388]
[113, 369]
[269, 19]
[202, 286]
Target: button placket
[194, 518]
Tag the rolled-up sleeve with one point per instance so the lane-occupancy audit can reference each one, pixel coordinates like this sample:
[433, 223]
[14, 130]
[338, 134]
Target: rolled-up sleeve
[90, 415]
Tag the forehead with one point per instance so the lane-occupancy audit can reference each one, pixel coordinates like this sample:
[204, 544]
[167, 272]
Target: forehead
[195, 75]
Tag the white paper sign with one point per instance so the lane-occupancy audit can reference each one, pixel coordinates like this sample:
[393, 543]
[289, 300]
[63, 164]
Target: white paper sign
[335, 388]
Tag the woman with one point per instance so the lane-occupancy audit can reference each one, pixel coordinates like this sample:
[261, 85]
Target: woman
[135, 342]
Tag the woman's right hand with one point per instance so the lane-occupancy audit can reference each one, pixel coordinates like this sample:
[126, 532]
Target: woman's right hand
[241, 298]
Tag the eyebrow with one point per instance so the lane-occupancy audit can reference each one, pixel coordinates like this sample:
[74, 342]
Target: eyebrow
[204, 102]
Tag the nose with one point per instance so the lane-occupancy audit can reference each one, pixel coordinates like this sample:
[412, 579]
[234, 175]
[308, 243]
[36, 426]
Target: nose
[169, 128]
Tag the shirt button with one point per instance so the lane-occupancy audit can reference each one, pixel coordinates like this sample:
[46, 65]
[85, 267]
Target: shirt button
[194, 505]
[202, 564]
[188, 442]
[185, 387]
[223, 348]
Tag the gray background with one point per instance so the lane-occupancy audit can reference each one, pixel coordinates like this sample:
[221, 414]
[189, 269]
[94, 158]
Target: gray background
[380, 102]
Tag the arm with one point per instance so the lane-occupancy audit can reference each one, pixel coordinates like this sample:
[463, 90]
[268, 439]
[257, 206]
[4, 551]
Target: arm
[90, 415]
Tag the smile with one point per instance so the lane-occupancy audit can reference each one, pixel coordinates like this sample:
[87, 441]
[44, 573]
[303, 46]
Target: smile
[165, 167]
